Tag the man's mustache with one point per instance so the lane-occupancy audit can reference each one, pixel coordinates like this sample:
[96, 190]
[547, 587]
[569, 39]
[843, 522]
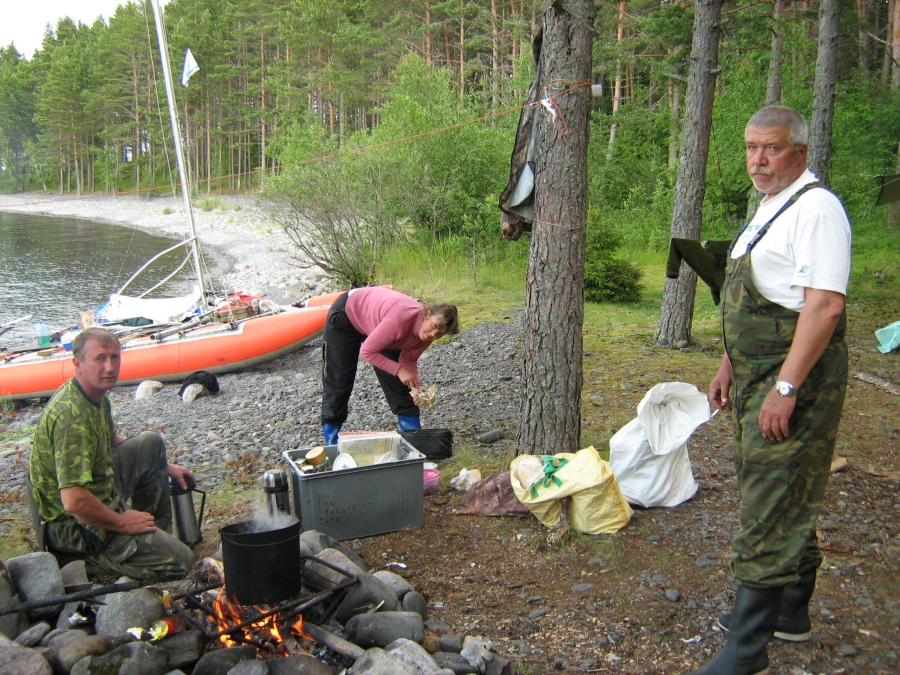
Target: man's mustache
[762, 171]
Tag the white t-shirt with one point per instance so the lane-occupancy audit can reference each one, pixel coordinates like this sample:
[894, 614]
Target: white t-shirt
[808, 246]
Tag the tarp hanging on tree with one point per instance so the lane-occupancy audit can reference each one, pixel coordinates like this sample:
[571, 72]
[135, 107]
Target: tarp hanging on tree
[517, 199]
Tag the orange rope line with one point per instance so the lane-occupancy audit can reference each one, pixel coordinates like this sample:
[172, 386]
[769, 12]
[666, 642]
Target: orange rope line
[322, 158]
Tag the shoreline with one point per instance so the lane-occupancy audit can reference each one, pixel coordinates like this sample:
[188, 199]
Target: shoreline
[234, 232]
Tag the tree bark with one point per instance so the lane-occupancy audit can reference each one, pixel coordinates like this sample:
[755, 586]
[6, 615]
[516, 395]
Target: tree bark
[674, 120]
[895, 43]
[677, 309]
[824, 89]
[773, 85]
[617, 89]
[550, 413]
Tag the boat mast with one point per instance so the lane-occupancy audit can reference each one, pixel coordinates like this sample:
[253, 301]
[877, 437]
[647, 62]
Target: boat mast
[176, 134]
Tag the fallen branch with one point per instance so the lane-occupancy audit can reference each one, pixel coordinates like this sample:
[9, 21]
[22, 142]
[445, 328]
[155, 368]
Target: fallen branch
[887, 385]
[883, 474]
[70, 597]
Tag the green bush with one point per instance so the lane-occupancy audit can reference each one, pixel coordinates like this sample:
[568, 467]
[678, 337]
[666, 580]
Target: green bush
[612, 280]
[607, 278]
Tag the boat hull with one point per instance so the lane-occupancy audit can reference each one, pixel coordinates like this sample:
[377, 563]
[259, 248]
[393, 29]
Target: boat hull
[215, 348]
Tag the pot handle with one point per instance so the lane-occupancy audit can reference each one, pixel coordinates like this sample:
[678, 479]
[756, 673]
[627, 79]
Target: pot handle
[202, 506]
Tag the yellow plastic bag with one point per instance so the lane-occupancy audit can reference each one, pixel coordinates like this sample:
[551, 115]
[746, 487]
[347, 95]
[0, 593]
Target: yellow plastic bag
[597, 503]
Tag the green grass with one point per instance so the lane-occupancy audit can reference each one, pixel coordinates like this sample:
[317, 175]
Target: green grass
[211, 204]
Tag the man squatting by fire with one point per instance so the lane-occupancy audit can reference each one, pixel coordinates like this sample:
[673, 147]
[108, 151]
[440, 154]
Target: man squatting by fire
[104, 499]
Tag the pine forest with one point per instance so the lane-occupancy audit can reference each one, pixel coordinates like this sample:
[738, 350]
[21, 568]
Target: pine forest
[403, 112]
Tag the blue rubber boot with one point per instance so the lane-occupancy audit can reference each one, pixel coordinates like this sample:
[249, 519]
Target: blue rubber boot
[330, 431]
[408, 422]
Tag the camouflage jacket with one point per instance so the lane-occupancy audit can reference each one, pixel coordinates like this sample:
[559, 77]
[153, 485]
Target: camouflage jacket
[72, 447]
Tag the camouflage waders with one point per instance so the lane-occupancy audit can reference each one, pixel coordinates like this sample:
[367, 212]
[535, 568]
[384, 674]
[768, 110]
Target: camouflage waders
[141, 479]
[782, 483]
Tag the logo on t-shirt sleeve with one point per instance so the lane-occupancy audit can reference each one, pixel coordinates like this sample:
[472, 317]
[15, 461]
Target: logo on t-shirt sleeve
[803, 271]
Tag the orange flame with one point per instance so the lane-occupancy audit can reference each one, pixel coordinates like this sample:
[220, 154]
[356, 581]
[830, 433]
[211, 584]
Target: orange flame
[230, 614]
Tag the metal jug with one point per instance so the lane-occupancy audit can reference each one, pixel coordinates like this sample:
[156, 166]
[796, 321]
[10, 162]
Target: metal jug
[187, 524]
[275, 485]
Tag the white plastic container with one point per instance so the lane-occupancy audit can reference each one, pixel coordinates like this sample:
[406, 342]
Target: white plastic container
[368, 449]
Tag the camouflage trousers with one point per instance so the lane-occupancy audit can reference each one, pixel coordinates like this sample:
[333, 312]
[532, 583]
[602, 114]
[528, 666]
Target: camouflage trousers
[141, 480]
[782, 483]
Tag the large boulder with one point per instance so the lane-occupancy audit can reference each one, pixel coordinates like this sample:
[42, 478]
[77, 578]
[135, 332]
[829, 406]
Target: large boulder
[37, 576]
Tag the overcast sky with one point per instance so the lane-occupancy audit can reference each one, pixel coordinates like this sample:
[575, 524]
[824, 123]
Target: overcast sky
[23, 21]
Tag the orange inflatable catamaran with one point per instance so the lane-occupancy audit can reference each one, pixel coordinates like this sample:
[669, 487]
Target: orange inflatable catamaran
[216, 348]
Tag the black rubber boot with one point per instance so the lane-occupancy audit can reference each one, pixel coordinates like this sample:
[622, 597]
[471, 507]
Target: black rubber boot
[793, 618]
[752, 626]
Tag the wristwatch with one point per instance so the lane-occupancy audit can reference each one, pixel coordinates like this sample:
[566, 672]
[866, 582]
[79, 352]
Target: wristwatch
[785, 388]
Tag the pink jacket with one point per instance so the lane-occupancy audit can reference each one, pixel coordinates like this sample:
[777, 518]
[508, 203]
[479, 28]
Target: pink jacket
[390, 320]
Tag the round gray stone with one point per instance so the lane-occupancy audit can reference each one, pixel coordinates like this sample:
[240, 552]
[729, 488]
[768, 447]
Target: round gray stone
[93, 645]
[33, 635]
[400, 585]
[19, 660]
[133, 609]
[414, 602]
[382, 628]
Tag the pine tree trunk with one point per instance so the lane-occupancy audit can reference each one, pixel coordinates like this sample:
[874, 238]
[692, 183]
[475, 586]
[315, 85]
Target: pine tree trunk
[617, 89]
[677, 310]
[895, 43]
[824, 90]
[894, 208]
[674, 120]
[888, 47]
[550, 412]
[773, 85]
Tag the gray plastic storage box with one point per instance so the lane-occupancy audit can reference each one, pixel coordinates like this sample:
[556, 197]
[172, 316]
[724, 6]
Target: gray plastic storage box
[360, 502]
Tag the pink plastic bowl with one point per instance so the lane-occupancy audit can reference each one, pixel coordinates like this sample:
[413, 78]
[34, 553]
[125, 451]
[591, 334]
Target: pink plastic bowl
[432, 480]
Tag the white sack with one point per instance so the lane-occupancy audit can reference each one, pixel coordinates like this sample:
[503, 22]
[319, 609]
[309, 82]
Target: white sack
[649, 454]
[669, 414]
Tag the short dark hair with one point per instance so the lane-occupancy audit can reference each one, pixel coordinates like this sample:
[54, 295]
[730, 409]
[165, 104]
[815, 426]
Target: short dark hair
[446, 318]
[101, 335]
[781, 116]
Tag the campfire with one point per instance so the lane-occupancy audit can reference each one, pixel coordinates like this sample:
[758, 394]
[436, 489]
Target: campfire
[276, 631]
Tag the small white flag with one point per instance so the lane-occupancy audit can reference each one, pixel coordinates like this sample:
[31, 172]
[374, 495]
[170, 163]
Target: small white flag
[190, 67]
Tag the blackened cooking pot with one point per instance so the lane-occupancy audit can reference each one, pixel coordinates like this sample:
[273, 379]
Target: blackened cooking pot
[261, 568]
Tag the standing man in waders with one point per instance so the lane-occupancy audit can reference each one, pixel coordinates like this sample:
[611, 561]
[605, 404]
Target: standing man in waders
[783, 376]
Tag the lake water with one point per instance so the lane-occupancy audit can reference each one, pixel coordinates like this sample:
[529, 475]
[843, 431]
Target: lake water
[55, 267]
